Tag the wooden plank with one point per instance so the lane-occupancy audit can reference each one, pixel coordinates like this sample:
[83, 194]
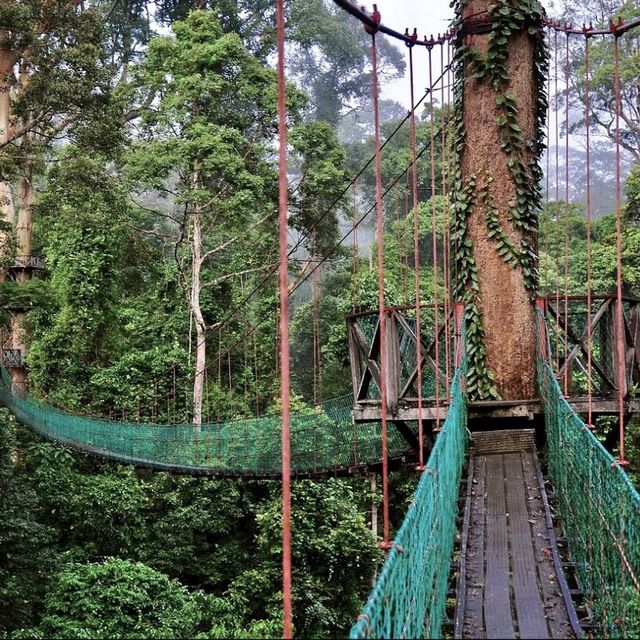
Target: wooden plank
[461, 579]
[634, 314]
[407, 435]
[497, 600]
[528, 601]
[372, 370]
[557, 619]
[572, 336]
[473, 625]
[356, 364]
[424, 352]
[392, 373]
[562, 581]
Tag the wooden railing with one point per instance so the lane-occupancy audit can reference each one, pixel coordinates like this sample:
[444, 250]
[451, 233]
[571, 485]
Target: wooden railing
[566, 343]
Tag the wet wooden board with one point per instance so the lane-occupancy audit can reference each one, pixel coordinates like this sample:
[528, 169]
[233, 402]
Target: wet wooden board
[471, 621]
[530, 614]
[559, 625]
[511, 586]
[497, 600]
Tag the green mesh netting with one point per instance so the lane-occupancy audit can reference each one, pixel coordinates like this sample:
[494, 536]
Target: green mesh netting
[600, 512]
[410, 596]
[323, 441]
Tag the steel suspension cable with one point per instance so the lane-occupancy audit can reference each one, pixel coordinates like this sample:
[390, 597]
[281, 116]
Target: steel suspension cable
[304, 277]
[445, 231]
[455, 241]
[416, 258]
[402, 211]
[434, 237]
[260, 284]
[566, 221]
[547, 217]
[219, 372]
[307, 234]
[245, 352]
[557, 203]
[315, 329]
[256, 373]
[356, 257]
[284, 330]
[587, 119]
[619, 311]
[382, 341]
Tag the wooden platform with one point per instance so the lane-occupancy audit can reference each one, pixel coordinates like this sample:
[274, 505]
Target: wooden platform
[509, 584]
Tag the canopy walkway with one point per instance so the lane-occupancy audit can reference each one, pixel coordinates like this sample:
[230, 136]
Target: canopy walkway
[325, 441]
[509, 576]
[508, 573]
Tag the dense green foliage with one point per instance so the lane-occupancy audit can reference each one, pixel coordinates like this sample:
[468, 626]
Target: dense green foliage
[126, 554]
[132, 120]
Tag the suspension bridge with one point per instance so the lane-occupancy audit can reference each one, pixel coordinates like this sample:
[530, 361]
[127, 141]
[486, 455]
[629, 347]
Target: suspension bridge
[523, 524]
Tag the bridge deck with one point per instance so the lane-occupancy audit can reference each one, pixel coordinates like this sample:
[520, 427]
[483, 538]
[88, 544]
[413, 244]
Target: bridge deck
[509, 584]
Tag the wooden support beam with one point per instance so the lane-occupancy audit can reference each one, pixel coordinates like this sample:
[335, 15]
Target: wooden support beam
[392, 373]
[560, 320]
[580, 345]
[425, 353]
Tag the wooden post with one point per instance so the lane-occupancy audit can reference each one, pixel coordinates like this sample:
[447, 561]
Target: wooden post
[620, 383]
[354, 357]
[392, 373]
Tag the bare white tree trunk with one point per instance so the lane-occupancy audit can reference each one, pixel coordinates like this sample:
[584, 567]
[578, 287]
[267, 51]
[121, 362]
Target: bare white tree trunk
[8, 58]
[201, 329]
[24, 224]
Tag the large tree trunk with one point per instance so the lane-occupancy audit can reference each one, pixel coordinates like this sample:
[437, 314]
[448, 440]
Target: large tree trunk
[8, 59]
[505, 300]
[24, 224]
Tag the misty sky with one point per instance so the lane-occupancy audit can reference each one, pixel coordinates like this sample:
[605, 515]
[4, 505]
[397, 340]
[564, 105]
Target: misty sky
[430, 17]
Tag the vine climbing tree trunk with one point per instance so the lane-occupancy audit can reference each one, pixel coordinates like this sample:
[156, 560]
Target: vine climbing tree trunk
[500, 110]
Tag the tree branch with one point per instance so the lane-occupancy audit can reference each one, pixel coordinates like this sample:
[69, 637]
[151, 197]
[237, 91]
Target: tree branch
[224, 245]
[237, 274]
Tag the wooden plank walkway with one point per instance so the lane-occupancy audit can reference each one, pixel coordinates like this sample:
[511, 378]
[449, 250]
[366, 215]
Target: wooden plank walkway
[509, 586]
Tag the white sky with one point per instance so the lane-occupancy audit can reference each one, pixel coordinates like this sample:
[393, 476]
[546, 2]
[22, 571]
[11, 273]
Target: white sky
[430, 17]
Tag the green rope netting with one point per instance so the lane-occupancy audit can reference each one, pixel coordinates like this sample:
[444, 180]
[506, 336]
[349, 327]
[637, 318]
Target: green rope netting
[410, 596]
[324, 440]
[600, 512]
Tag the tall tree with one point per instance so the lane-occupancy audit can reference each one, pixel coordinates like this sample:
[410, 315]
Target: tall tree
[208, 133]
[602, 71]
[54, 83]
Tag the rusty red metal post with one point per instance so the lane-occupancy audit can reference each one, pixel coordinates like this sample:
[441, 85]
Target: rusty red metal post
[416, 258]
[434, 238]
[621, 369]
[587, 120]
[287, 629]
[566, 220]
[386, 543]
[542, 327]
